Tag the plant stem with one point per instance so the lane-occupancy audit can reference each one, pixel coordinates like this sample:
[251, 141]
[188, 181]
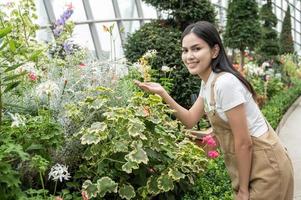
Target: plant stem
[55, 187]
[1, 104]
[42, 182]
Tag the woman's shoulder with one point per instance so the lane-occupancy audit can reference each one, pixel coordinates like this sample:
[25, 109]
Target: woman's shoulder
[227, 79]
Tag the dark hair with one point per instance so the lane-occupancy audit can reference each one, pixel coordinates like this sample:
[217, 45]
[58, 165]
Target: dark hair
[206, 31]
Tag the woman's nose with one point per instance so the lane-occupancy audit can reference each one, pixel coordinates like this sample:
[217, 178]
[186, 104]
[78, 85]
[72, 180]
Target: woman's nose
[190, 56]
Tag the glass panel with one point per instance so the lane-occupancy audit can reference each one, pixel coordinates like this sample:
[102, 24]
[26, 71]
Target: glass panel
[148, 11]
[44, 35]
[81, 35]
[102, 9]
[284, 8]
[59, 6]
[128, 9]
[225, 3]
[41, 13]
[279, 26]
[107, 42]
[278, 13]
[214, 1]
[130, 26]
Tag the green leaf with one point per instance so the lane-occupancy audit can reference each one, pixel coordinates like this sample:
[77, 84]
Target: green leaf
[152, 185]
[165, 183]
[155, 98]
[106, 184]
[3, 44]
[11, 86]
[98, 126]
[5, 31]
[129, 166]
[90, 188]
[34, 147]
[12, 45]
[35, 55]
[90, 138]
[127, 192]
[155, 119]
[13, 67]
[136, 128]
[95, 133]
[138, 155]
[175, 174]
[120, 146]
[13, 77]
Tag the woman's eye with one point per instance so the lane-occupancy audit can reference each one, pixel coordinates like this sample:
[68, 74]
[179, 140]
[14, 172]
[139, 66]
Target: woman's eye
[196, 49]
[184, 50]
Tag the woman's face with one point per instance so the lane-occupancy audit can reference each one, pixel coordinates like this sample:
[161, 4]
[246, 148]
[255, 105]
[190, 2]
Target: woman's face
[197, 55]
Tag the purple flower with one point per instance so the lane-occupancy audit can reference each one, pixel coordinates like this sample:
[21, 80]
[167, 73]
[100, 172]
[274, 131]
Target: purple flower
[57, 31]
[60, 22]
[68, 47]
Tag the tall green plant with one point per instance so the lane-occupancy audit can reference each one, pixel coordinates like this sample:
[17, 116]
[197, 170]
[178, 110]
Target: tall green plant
[242, 28]
[186, 12]
[286, 38]
[269, 42]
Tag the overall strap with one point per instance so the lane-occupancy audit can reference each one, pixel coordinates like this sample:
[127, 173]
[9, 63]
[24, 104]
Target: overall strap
[212, 95]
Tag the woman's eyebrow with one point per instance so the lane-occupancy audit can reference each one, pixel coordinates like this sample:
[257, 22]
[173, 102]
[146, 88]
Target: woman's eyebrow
[195, 45]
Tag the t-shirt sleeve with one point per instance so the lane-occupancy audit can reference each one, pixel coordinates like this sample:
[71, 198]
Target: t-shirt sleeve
[230, 92]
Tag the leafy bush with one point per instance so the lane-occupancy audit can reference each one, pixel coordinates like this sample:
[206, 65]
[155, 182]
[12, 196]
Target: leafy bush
[135, 150]
[186, 12]
[279, 103]
[166, 40]
[214, 184]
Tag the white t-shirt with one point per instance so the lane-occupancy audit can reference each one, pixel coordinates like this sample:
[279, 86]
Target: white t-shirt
[229, 93]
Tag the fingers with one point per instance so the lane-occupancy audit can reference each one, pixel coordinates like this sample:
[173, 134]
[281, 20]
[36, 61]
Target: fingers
[137, 82]
[143, 86]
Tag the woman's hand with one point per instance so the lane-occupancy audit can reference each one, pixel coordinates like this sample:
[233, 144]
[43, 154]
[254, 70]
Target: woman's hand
[242, 195]
[150, 87]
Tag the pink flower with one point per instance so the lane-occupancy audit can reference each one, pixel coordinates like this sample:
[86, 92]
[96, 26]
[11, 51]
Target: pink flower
[209, 141]
[82, 65]
[32, 76]
[70, 6]
[85, 195]
[213, 154]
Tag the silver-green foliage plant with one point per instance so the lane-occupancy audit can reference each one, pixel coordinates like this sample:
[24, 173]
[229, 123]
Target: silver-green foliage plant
[135, 150]
[17, 43]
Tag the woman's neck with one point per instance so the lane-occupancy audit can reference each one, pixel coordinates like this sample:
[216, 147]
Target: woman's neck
[205, 75]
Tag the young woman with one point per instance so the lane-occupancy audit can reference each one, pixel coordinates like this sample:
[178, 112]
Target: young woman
[257, 163]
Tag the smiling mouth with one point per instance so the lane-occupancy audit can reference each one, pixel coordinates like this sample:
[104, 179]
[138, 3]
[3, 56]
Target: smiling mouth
[191, 64]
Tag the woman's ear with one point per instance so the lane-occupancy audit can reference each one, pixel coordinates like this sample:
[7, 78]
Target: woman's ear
[215, 51]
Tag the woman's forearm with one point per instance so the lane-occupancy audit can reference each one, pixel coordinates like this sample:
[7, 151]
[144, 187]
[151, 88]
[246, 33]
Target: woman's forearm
[181, 113]
[243, 154]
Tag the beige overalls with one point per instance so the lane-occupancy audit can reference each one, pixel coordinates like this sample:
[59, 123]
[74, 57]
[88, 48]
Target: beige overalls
[271, 175]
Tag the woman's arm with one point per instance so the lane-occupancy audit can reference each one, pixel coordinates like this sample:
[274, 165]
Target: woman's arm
[243, 146]
[188, 117]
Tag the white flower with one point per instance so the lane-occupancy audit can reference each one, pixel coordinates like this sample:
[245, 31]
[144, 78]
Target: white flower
[278, 75]
[166, 69]
[254, 69]
[138, 66]
[18, 120]
[265, 64]
[150, 54]
[270, 72]
[59, 172]
[27, 67]
[47, 88]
